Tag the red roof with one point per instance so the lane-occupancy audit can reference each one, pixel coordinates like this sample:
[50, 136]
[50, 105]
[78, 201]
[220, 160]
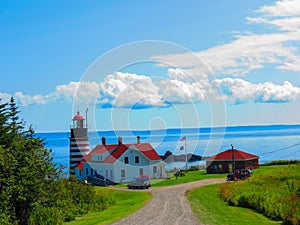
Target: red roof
[148, 151]
[227, 156]
[79, 166]
[116, 151]
[101, 149]
[116, 154]
[78, 116]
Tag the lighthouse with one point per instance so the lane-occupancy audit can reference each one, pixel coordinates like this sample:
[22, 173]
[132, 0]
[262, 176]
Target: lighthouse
[79, 141]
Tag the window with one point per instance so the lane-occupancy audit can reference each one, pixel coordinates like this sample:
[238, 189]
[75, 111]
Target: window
[126, 160]
[92, 172]
[99, 157]
[154, 169]
[230, 167]
[123, 173]
[141, 171]
[137, 159]
[87, 171]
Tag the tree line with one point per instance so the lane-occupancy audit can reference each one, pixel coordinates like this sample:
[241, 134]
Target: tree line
[33, 189]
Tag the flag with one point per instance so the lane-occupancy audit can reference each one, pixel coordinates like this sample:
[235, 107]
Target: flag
[181, 148]
[182, 139]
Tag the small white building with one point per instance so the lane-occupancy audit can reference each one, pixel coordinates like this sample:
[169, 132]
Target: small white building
[121, 162]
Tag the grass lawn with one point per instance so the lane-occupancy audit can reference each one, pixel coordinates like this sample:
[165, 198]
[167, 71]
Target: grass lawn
[127, 202]
[189, 177]
[211, 209]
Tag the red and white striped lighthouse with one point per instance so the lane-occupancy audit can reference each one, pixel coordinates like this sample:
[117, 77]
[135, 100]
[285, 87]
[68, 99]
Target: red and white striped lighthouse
[79, 142]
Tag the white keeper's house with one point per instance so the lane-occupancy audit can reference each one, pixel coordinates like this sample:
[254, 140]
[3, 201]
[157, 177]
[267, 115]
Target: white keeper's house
[115, 162]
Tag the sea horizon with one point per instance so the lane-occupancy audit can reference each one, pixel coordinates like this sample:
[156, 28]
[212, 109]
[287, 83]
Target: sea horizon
[269, 142]
[176, 128]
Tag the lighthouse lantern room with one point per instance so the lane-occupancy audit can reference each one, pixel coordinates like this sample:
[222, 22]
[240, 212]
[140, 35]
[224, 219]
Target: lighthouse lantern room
[79, 142]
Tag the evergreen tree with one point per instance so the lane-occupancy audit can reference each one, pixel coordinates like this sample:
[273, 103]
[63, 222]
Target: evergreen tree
[25, 166]
[33, 189]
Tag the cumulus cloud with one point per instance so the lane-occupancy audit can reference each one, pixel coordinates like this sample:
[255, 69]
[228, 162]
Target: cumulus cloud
[282, 8]
[191, 78]
[126, 90]
[138, 91]
[82, 92]
[240, 91]
[87, 92]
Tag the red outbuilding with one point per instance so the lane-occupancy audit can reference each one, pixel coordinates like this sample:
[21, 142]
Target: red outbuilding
[231, 159]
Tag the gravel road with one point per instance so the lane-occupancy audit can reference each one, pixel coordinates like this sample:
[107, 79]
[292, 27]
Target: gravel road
[168, 206]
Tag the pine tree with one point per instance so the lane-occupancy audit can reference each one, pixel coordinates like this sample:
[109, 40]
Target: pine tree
[33, 189]
[26, 167]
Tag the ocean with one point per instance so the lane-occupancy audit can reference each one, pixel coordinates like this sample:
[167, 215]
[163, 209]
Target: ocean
[273, 142]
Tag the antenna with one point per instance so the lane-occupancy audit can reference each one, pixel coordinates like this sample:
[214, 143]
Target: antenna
[86, 118]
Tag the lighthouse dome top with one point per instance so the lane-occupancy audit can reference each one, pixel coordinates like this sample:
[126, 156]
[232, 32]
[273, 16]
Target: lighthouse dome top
[78, 116]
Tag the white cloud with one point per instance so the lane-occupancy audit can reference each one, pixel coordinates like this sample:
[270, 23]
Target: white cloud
[238, 58]
[282, 8]
[181, 92]
[125, 90]
[82, 92]
[4, 97]
[192, 76]
[138, 91]
[251, 51]
[25, 100]
[239, 91]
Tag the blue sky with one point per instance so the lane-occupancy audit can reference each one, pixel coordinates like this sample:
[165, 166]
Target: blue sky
[151, 64]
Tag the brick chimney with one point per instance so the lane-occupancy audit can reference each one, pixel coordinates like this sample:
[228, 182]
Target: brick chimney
[120, 140]
[138, 140]
[103, 141]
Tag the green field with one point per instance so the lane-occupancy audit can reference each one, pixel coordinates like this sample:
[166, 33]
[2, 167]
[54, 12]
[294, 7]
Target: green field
[189, 177]
[127, 202]
[206, 201]
[211, 209]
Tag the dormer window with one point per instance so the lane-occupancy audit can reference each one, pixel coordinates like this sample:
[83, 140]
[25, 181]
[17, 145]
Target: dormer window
[126, 160]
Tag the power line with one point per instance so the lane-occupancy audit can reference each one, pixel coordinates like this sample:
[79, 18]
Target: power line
[281, 149]
[291, 154]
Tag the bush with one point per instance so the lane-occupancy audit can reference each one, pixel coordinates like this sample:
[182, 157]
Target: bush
[280, 162]
[195, 168]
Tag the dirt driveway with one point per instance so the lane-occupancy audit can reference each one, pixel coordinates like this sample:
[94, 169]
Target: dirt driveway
[168, 206]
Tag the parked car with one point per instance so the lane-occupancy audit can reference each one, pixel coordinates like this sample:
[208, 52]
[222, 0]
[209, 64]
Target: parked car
[139, 183]
[239, 175]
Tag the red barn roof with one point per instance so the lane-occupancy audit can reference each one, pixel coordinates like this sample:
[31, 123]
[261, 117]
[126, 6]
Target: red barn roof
[227, 156]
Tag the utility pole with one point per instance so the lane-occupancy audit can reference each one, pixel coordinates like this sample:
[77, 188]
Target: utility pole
[233, 162]
[186, 161]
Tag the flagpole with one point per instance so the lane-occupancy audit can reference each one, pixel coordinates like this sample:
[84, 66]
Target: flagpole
[185, 155]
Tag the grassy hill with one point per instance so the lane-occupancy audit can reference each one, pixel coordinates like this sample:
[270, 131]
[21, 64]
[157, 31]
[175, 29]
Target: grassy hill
[273, 191]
